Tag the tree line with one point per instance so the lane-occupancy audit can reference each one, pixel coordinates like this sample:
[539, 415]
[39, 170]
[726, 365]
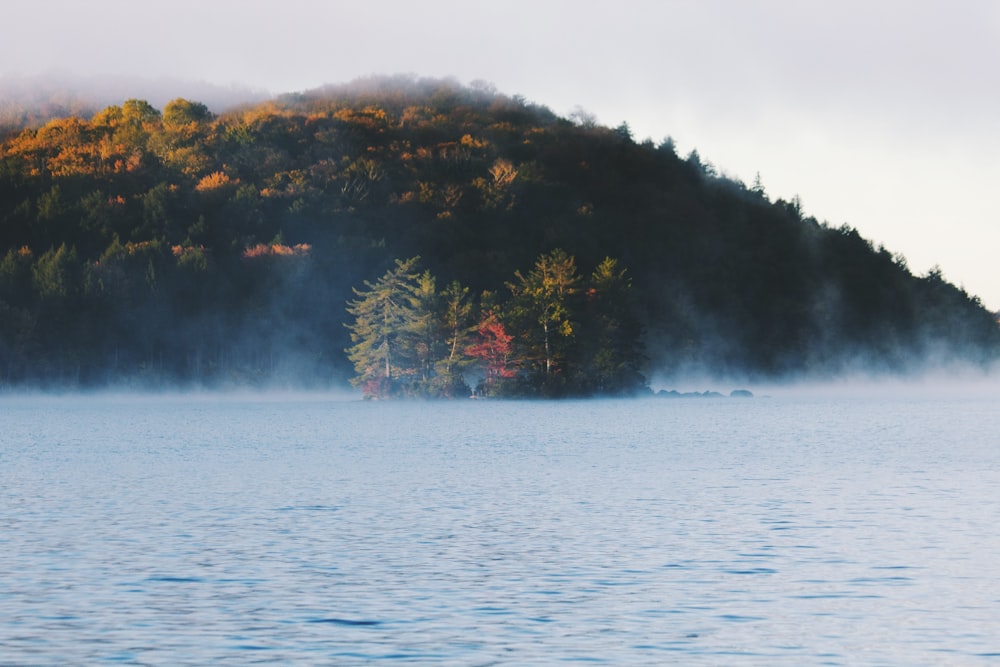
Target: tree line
[146, 246]
[555, 334]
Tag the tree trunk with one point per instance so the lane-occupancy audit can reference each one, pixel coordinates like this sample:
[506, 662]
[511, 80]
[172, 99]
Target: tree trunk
[548, 352]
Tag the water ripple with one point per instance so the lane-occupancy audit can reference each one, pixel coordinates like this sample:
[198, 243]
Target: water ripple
[346, 621]
[190, 532]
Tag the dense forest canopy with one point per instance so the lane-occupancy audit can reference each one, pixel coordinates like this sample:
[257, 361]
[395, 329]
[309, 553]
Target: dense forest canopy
[150, 246]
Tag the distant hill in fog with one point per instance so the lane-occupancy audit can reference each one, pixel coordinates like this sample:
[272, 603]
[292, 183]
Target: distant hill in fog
[170, 240]
[33, 101]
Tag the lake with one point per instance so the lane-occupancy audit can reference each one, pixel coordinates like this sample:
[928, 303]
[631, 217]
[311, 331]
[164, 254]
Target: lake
[794, 529]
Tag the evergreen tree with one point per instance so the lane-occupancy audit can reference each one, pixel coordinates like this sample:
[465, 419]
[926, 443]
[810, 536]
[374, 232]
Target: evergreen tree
[611, 335]
[420, 342]
[382, 313]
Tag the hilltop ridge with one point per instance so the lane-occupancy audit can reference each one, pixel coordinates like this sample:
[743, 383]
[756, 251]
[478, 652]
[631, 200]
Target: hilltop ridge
[147, 245]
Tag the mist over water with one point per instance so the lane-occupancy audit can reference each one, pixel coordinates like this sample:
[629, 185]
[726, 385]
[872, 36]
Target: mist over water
[802, 528]
[928, 380]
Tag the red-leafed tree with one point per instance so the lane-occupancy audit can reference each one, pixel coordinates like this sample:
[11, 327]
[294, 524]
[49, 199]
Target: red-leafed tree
[493, 351]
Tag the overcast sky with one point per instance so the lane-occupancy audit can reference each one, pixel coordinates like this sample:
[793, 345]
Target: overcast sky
[879, 113]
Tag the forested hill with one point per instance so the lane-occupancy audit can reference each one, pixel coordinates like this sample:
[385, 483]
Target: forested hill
[150, 246]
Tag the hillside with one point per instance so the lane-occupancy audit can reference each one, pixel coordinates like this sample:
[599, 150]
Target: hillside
[146, 246]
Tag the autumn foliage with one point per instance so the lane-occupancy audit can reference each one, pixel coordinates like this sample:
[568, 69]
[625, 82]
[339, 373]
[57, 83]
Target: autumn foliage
[142, 246]
[494, 352]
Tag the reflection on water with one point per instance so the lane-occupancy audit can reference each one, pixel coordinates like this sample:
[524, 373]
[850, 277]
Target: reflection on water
[232, 531]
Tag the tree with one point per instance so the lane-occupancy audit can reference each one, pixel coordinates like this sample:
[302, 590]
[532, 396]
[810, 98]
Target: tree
[57, 274]
[493, 350]
[668, 146]
[382, 312]
[181, 112]
[704, 168]
[611, 346]
[183, 142]
[624, 131]
[542, 301]
[420, 342]
[455, 312]
[139, 112]
[136, 120]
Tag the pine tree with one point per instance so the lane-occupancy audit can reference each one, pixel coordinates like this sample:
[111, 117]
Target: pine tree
[420, 342]
[382, 313]
[611, 336]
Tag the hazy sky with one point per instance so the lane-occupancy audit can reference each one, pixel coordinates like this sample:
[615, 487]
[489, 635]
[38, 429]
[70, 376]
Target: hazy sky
[879, 113]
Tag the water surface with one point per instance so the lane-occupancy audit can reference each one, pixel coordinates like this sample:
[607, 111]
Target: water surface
[234, 530]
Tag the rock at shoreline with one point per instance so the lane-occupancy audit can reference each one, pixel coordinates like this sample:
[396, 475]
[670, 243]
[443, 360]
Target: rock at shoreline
[673, 393]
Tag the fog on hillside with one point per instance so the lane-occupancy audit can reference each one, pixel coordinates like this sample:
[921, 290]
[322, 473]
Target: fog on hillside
[415, 237]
